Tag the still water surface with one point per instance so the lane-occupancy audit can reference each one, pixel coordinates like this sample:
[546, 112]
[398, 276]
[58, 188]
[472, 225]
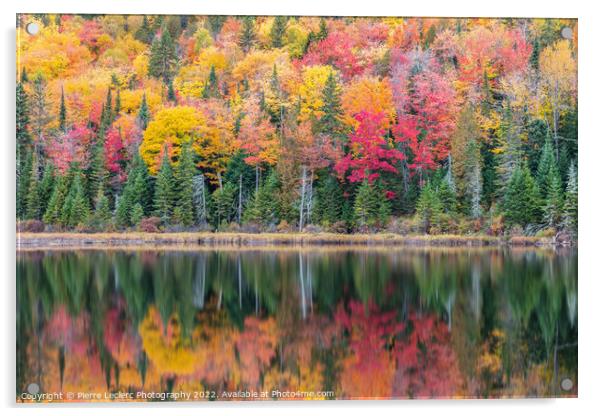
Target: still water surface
[286, 323]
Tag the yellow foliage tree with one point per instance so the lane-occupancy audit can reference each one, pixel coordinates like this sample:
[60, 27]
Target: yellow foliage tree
[368, 94]
[209, 130]
[312, 89]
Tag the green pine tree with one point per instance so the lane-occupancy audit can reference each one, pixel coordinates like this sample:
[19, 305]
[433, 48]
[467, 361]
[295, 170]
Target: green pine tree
[33, 195]
[330, 201]
[57, 199]
[185, 184]
[223, 204]
[143, 113]
[163, 57]
[75, 210]
[546, 162]
[365, 207]
[137, 214]
[447, 196]
[429, 208]
[63, 113]
[323, 33]
[553, 202]
[521, 200]
[46, 187]
[246, 39]
[102, 210]
[262, 208]
[570, 215]
[171, 92]
[212, 86]
[144, 33]
[118, 103]
[24, 154]
[331, 122]
[24, 169]
[97, 173]
[278, 31]
[164, 190]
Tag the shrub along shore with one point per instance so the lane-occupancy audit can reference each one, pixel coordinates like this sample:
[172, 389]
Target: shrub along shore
[41, 240]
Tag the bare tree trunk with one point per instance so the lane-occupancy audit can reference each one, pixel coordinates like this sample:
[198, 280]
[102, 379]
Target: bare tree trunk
[310, 197]
[302, 287]
[302, 206]
[256, 179]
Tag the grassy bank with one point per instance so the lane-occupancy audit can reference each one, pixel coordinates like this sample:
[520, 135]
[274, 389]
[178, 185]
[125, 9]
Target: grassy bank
[32, 240]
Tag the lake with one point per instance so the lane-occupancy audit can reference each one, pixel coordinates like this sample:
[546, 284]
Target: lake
[290, 323]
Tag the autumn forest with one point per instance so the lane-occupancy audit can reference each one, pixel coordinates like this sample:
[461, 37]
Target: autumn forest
[406, 125]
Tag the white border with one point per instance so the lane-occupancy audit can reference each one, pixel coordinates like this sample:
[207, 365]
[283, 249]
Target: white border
[590, 181]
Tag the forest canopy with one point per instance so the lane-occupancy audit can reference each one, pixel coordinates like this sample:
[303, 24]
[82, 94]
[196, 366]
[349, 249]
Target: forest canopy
[252, 123]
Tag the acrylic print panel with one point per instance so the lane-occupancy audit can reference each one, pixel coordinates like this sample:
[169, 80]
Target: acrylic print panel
[276, 208]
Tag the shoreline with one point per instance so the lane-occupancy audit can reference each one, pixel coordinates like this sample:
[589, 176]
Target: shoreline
[204, 239]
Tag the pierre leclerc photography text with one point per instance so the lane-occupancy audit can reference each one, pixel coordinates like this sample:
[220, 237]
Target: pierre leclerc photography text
[272, 208]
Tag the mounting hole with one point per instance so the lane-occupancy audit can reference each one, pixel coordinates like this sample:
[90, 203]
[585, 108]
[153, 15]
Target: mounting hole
[33, 388]
[32, 28]
[566, 384]
[567, 33]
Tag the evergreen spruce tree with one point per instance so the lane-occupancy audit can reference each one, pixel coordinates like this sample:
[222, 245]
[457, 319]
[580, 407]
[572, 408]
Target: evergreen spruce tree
[330, 201]
[447, 196]
[75, 210]
[102, 210]
[247, 34]
[163, 57]
[57, 199]
[24, 155]
[570, 217]
[521, 200]
[143, 113]
[537, 131]
[546, 162]
[365, 207]
[144, 33]
[184, 179]
[223, 204]
[23, 182]
[277, 31]
[137, 190]
[215, 23]
[171, 92]
[262, 207]
[45, 188]
[137, 213]
[429, 208]
[143, 186]
[24, 76]
[39, 114]
[331, 122]
[97, 173]
[63, 113]
[164, 190]
[124, 205]
[323, 33]
[553, 202]
[108, 111]
[33, 195]
[211, 89]
[118, 103]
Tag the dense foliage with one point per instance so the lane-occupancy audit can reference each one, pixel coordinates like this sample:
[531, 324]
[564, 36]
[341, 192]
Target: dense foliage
[286, 123]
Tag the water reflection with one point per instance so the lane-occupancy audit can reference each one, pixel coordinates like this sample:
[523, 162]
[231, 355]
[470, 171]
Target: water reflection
[360, 323]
